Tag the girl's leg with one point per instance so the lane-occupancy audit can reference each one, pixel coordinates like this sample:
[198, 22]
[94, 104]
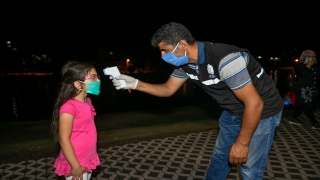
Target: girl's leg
[85, 176]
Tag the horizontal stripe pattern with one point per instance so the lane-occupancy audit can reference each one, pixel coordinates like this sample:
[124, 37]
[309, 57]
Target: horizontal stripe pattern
[233, 70]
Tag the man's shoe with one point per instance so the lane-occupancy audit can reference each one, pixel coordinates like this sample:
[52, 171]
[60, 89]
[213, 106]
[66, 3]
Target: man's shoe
[295, 121]
[315, 126]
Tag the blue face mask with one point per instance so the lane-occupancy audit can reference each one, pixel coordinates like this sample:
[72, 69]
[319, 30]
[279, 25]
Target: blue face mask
[174, 60]
[93, 87]
[310, 59]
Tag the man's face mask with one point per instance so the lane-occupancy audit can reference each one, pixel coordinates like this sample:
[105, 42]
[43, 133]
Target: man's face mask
[174, 60]
[93, 87]
[310, 59]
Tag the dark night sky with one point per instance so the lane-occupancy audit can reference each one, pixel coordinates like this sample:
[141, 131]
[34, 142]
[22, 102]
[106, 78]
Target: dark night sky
[81, 28]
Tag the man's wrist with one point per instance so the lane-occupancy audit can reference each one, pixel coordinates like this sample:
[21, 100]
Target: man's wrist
[243, 143]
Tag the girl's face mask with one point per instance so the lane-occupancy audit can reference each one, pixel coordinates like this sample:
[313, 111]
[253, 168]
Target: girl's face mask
[93, 87]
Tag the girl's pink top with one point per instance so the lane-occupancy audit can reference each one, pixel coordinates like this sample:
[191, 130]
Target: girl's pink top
[83, 137]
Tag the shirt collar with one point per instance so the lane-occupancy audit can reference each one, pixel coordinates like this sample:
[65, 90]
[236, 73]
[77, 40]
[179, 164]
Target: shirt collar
[201, 55]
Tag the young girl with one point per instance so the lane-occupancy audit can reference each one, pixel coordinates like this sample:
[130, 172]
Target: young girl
[73, 122]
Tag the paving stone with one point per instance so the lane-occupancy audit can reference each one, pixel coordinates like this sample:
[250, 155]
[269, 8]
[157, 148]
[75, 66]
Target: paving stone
[295, 154]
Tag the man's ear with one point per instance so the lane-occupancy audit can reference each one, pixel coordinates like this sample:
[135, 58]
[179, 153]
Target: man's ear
[183, 44]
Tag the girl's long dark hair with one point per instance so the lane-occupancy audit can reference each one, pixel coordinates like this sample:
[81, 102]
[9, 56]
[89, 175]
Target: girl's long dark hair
[71, 72]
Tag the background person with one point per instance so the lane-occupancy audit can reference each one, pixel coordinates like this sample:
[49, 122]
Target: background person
[306, 99]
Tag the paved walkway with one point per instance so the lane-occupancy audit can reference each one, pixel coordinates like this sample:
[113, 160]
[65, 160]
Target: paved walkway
[295, 154]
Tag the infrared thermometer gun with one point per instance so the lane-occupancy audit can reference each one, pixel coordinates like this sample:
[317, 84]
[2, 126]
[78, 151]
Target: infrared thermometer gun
[113, 72]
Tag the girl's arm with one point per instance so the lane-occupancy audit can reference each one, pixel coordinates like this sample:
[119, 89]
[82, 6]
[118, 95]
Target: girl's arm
[65, 130]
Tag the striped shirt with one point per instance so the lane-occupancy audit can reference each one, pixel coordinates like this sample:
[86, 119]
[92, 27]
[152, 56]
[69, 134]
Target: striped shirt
[232, 70]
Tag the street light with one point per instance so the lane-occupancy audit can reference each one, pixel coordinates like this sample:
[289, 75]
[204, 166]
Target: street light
[8, 44]
[127, 62]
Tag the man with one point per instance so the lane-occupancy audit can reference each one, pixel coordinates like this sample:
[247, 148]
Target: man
[252, 103]
[308, 73]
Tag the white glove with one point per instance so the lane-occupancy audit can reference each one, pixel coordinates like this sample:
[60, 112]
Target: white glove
[131, 83]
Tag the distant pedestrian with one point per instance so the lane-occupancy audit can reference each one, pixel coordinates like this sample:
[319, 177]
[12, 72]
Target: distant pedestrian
[306, 91]
[73, 123]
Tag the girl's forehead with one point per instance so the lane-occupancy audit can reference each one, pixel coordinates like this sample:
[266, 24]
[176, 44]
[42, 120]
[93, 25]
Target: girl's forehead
[92, 71]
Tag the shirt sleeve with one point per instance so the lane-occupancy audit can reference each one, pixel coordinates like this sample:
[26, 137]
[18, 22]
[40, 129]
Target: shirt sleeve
[179, 73]
[68, 108]
[233, 70]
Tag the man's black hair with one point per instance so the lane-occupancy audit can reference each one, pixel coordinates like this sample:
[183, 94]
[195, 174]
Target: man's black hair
[172, 33]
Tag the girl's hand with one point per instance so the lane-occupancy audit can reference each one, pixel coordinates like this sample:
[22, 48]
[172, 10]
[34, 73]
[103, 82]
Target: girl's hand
[76, 173]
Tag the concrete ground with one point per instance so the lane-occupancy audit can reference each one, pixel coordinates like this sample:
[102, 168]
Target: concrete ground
[295, 154]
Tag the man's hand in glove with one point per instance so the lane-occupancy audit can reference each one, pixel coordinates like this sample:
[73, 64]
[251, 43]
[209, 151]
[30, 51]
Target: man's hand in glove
[130, 82]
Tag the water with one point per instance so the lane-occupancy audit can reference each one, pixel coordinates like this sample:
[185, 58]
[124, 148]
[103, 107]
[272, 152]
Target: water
[31, 98]
[26, 97]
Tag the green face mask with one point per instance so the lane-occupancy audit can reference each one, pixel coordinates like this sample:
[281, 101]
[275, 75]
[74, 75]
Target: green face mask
[310, 59]
[92, 87]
